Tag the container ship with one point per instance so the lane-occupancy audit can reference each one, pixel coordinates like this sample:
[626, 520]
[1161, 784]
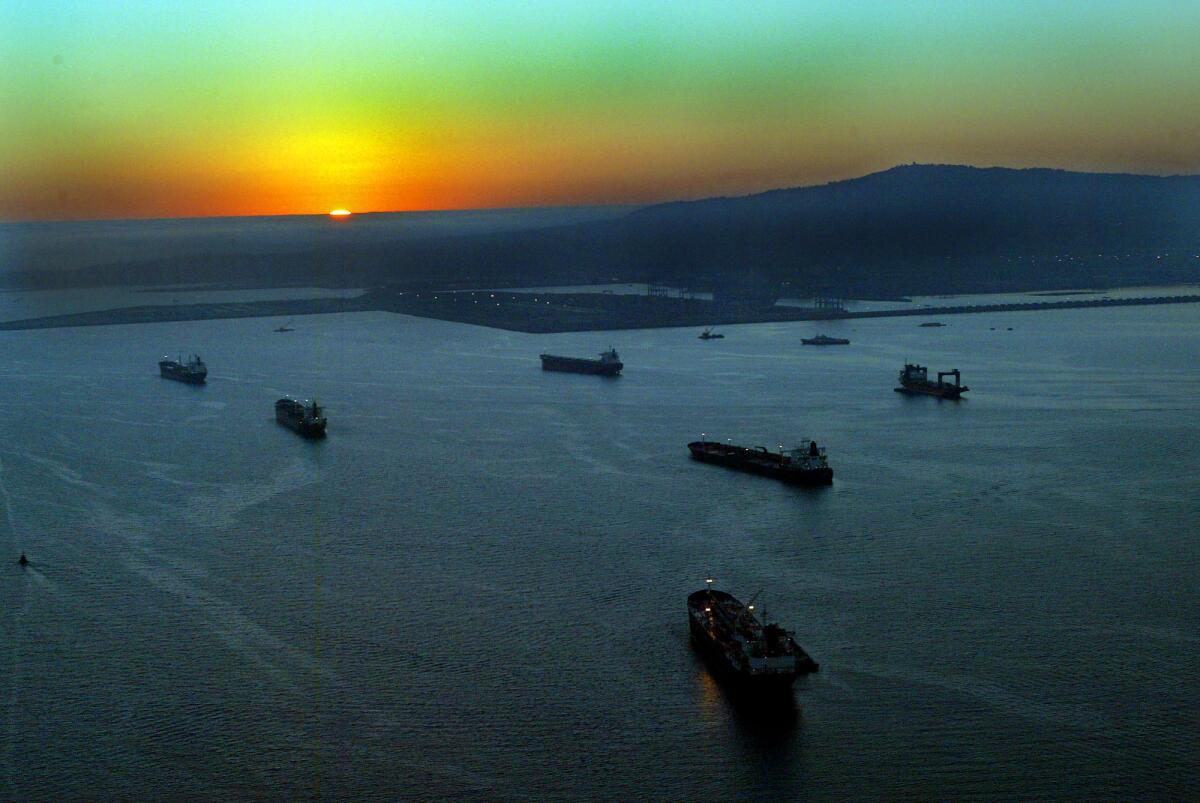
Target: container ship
[824, 340]
[609, 364]
[742, 644]
[804, 465]
[915, 379]
[307, 419]
[194, 371]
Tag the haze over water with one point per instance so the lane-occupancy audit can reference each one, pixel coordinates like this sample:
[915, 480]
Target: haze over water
[475, 586]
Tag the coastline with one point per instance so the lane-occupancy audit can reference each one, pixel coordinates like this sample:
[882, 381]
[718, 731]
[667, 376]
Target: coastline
[544, 313]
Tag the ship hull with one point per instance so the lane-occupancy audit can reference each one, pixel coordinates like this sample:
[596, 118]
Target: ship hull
[762, 467]
[303, 428]
[576, 365]
[938, 391]
[719, 665]
[183, 375]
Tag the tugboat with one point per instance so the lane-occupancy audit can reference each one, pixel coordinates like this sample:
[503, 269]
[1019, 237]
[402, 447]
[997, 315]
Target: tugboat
[755, 653]
[915, 379]
[804, 465]
[194, 371]
[824, 340]
[307, 419]
[708, 334]
[609, 364]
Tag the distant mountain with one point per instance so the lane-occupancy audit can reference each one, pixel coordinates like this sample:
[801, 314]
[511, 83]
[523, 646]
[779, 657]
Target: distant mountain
[941, 228]
[910, 229]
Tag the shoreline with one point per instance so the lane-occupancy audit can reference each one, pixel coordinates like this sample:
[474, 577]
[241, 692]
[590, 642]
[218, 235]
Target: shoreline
[543, 314]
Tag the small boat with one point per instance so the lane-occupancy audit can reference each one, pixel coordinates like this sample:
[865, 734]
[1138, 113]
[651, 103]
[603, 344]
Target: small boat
[284, 328]
[23, 561]
[709, 334]
[824, 340]
[932, 324]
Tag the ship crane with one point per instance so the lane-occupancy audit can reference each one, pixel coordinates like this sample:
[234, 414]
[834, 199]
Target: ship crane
[955, 373]
[748, 611]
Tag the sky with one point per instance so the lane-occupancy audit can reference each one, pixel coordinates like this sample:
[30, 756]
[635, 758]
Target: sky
[243, 107]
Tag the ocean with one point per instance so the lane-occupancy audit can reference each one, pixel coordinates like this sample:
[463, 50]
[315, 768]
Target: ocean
[475, 586]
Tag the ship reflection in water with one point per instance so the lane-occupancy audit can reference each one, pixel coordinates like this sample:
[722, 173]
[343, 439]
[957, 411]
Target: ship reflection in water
[765, 734]
[774, 715]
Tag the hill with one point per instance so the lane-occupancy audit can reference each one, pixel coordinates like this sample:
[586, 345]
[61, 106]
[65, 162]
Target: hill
[909, 229]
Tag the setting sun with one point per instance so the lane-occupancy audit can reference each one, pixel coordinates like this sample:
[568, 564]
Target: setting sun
[339, 213]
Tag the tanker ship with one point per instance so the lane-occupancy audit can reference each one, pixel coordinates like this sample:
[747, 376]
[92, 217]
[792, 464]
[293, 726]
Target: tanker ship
[742, 644]
[804, 465]
[306, 419]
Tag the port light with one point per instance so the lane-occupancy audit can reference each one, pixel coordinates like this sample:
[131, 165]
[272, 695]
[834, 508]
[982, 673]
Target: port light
[708, 610]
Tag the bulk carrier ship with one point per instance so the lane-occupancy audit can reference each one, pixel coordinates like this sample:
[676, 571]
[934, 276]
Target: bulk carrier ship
[194, 371]
[609, 364]
[824, 340]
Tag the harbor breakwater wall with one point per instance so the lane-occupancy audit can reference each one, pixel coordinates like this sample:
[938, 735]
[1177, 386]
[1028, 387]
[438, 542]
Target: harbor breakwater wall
[546, 313]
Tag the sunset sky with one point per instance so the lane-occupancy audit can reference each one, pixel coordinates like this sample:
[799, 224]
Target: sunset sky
[238, 107]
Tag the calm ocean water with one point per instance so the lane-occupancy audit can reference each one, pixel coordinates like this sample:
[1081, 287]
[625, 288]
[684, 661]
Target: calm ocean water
[474, 588]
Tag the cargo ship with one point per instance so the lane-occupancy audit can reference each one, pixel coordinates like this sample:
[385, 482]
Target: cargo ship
[307, 419]
[709, 334]
[915, 379]
[194, 371]
[804, 465]
[742, 644]
[609, 364]
[824, 340]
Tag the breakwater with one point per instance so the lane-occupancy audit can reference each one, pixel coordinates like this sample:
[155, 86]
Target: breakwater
[546, 313]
